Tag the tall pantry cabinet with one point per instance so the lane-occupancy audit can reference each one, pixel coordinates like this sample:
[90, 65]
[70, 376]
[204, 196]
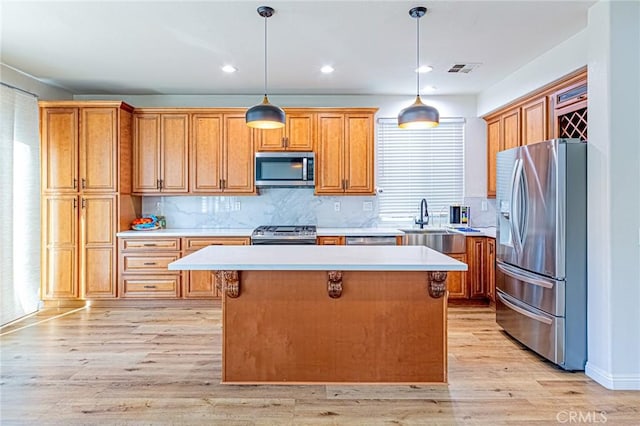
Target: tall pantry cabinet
[86, 150]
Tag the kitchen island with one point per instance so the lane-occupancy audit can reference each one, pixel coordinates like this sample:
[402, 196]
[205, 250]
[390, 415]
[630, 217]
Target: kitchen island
[330, 314]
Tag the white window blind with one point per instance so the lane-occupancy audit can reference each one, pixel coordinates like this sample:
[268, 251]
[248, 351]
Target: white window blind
[417, 164]
[19, 204]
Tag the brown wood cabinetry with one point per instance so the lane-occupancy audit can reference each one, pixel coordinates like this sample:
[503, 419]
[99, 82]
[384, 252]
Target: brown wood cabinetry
[202, 284]
[86, 185]
[476, 275]
[490, 273]
[160, 147]
[457, 280]
[556, 110]
[345, 160]
[331, 240]
[143, 272]
[297, 135]
[221, 154]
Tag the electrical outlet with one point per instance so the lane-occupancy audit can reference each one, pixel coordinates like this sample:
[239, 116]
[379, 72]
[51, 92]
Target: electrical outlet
[336, 206]
[483, 206]
[237, 206]
[367, 206]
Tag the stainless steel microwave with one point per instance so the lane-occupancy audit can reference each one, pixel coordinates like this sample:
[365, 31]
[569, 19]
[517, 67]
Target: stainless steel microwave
[285, 169]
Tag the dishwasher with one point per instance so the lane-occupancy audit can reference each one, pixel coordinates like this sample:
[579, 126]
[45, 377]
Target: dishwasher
[371, 241]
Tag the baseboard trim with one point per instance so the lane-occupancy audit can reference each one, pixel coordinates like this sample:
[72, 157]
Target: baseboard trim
[613, 381]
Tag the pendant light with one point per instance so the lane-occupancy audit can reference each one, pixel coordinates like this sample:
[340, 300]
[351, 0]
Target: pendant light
[265, 115]
[418, 115]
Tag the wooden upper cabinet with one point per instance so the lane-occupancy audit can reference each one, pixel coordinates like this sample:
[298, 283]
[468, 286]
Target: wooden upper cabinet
[359, 154]
[297, 135]
[494, 132]
[206, 153]
[160, 147]
[345, 159]
[330, 154]
[99, 149]
[146, 153]
[510, 130]
[238, 155]
[174, 140]
[535, 121]
[59, 139]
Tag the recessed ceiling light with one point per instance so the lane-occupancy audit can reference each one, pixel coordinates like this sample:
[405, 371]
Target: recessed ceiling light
[229, 68]
[327, 69]
[424, 68]
[429, 88]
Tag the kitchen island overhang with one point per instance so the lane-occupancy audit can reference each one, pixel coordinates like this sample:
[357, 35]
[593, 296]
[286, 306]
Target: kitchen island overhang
[330, 314]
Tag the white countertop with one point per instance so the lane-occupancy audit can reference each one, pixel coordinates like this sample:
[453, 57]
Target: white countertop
[318, 258]
[322, 232]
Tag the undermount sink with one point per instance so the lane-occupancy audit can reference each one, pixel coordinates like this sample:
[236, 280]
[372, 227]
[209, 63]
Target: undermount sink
[443, 240]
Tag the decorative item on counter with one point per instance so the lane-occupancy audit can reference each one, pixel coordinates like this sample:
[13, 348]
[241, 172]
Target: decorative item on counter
[146, 223]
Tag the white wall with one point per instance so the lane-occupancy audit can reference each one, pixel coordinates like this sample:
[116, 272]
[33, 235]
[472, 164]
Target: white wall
[389, 106]
[566, 57]
[614, 195]
[25, 82]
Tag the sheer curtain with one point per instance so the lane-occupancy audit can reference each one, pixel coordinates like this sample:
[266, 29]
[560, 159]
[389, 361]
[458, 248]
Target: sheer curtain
[19, 205]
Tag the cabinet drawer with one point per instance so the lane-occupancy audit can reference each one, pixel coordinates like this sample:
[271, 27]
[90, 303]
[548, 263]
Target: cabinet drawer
[150, 286]
[150, 244]
[198, 243]
[153, 263]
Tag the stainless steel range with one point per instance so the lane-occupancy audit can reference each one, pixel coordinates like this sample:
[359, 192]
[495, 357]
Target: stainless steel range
[277, 235]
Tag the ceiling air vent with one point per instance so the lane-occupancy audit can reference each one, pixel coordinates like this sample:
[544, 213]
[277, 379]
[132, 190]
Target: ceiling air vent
[463, 68]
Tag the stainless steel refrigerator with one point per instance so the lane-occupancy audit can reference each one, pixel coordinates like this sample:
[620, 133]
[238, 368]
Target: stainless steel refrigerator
[541, 272]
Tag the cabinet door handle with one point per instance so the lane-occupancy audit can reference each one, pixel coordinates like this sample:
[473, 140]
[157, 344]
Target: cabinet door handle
[75, 203]
[84, 203]
[346, 184]
[83, 183]
[150, 263]
[149, 286]
[224, 182]
[75, 183]
[161, 184]
[220, 183]
[158, 183]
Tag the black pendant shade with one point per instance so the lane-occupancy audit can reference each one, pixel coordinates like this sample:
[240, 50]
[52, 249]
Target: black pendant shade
[265, 115]
[418, 115]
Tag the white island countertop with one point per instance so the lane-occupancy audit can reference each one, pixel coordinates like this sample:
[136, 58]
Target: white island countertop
[318, 258]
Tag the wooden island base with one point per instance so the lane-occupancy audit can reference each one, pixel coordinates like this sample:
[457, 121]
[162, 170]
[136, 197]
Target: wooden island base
[284, 327]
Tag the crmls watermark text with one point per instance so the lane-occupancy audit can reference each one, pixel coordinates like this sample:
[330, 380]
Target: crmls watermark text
[577, 416]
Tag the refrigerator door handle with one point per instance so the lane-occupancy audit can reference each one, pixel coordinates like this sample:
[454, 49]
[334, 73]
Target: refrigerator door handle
[514, 208]
[523, 311]
[522, 276]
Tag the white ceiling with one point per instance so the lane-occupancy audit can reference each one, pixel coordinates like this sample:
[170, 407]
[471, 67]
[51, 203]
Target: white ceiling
[173, 47]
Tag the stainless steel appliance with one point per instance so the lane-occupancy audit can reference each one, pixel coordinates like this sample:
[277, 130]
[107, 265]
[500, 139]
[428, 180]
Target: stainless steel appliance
[377, 240]
[285, 169]
[279, 235]
[541, 273]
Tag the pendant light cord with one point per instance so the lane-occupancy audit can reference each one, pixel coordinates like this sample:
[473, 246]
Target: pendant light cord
[265, 56]
[418, 56]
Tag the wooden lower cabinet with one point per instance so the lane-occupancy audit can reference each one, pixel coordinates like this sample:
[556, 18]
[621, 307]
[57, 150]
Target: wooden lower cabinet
[490, 262]
[143, 268]
[476, 261]
[202, 284]
[331, 241]
[457, 280]
[78, 243]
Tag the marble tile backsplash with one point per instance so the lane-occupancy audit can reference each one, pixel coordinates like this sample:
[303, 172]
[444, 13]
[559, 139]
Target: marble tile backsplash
[289, 206]
[274, 206]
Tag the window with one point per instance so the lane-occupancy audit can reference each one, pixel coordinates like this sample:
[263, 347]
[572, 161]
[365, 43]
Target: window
[19, 204]
[417, 164]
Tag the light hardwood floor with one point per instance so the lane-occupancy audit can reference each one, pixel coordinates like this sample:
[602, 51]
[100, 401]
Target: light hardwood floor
[162, 366]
